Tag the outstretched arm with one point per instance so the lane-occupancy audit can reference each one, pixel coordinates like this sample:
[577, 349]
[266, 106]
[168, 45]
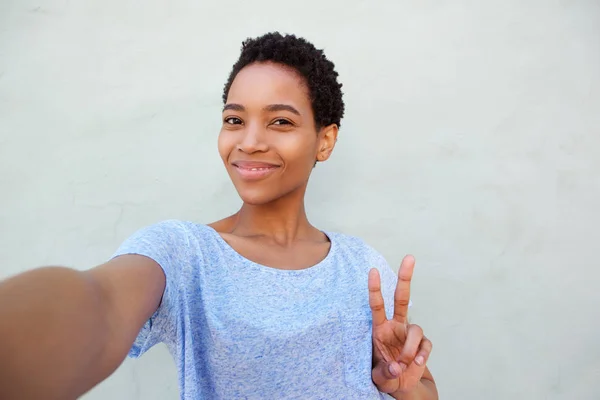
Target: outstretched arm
[63, 331]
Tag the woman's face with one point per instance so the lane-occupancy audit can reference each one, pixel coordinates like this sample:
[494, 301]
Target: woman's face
[268, 141]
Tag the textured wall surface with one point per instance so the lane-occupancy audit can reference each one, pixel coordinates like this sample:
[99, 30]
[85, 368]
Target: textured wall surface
[472, 140]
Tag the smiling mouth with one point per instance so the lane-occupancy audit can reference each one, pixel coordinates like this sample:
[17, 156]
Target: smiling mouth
[254, 171]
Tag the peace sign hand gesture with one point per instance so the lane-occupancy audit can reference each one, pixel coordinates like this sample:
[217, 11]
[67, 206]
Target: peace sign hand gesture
[400, 351]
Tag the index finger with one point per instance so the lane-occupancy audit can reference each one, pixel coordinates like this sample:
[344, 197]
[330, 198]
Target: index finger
[402, 294]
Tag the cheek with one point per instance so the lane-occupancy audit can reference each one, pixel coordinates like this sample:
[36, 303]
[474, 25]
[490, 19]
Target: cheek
[300, 152]
[224, 145]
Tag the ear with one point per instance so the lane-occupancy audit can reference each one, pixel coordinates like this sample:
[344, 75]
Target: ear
[327, 138]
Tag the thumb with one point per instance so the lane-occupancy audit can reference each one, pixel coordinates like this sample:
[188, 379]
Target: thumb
[385, 376]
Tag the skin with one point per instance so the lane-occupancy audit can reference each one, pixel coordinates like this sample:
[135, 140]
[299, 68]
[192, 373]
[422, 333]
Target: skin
[400, 350]
[92, 317]
[268, 118]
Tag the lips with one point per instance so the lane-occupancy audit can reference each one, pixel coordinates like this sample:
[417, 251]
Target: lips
[254, 170]
[254, 164]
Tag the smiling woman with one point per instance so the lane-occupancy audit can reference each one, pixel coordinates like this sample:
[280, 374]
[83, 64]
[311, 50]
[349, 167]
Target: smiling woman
[269, 131]
[258, 305]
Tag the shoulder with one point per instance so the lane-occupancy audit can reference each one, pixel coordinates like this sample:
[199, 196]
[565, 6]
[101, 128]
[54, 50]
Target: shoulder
[173, 228]
[356, 247]
[174, 244]
[358, 251]
[166, 227]
[365, 256]
[166, 236]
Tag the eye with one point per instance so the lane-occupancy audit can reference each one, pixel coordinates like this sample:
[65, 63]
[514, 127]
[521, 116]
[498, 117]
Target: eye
[233, 121]
[282, 121]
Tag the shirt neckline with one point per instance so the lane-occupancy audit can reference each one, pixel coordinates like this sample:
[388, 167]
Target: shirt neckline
[309, 270]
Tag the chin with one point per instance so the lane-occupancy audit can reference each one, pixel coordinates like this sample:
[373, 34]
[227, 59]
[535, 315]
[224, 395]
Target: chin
[257, 197]
[265, 193]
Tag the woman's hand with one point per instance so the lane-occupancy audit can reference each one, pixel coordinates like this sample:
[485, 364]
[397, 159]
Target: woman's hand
[400, 351]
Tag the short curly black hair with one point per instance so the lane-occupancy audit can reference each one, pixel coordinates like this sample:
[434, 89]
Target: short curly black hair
[301, 55]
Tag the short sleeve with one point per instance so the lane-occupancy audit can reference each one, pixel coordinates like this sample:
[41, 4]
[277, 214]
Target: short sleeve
[165, 243]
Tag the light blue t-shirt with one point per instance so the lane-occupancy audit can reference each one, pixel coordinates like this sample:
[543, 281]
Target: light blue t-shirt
[240, 330]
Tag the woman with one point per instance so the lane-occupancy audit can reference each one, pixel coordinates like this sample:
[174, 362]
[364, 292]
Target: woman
[259, 305]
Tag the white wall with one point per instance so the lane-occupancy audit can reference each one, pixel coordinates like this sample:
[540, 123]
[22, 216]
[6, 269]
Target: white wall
[472, 140]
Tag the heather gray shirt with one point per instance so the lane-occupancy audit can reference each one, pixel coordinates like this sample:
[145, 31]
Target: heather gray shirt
[240, 330]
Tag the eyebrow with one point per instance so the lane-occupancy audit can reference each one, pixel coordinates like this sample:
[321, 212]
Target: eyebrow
[270, 108]
[282, 107]
[234, 107]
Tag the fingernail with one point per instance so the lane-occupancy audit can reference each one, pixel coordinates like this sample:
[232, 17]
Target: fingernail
[393, 368]
[420, 360]
[403, 367]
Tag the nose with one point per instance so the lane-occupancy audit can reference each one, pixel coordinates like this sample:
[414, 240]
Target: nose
[253, 139]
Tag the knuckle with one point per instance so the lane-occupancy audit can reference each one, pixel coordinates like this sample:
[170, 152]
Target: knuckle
[416, 330]
[408, 353]
[427, 344]
[408, 356]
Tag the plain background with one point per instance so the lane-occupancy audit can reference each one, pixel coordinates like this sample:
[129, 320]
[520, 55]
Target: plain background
[471, 140]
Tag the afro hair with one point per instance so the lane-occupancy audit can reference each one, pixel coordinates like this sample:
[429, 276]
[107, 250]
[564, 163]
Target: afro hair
[299, 54]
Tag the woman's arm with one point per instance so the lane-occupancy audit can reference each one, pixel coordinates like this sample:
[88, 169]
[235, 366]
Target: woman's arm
[63, 331]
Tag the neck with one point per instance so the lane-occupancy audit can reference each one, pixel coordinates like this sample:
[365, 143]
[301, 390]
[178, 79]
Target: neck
[283, 220]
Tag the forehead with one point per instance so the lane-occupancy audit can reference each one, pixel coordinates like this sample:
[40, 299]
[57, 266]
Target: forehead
[269, 83]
